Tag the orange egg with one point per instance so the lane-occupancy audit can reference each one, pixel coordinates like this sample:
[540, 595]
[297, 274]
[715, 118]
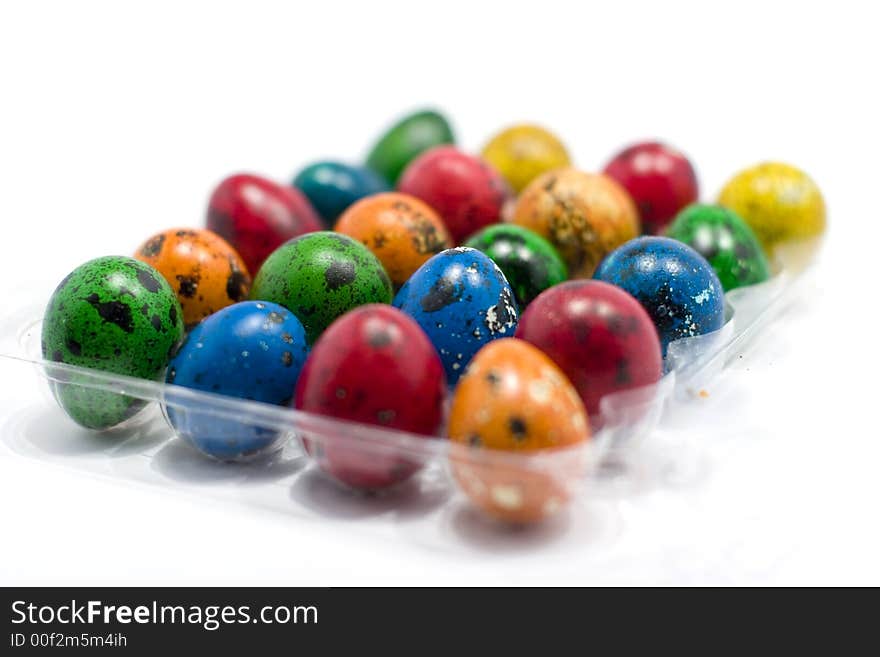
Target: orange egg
[202, 268]
[584, 215]
[402, 231]
[515, 412]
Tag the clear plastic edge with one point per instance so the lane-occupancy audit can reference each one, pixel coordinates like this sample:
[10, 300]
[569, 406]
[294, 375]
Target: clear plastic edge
[627, 417]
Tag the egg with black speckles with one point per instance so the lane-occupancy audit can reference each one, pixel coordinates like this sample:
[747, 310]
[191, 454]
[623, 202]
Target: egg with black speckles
[319, 277]
[674, 283]
[250, 350]
[513, 398]
[402, 231]
[780, 202]
[725, 240]
[584, 215]
[599, 336]
[375, 366]
[529, 262]
[113, 314]
[462, 300]
[202, 267]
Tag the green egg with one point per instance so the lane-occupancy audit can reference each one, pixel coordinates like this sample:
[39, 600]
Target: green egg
[528, 261]
[406, 140]
[320, 276]
[725, 240]
[117, 315]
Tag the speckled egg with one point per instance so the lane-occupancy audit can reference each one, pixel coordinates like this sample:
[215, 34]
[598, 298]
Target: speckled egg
[529, 262]
[726, 241]
[117, 315]
[334, 186]
[659, 178]
[674, 283]
[400, 230]
[464, 190]
[319, 277]
[250, 350]
[256, 216]
[513, 398]
[598, 335]
[523, 152]
[780, 202]
[204, 270]
[406, 140]
[585, 216]
[462, 300]
[374, 365]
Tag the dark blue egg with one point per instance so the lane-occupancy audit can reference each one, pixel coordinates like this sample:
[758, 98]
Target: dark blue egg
[674, 283]
[461, 300]
[251, 350]
[333, 186]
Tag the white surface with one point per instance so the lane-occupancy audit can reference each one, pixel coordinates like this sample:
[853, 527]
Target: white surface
[115, 122]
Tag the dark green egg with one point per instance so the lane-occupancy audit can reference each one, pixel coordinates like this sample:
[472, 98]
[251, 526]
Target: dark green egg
[117, 315]
[320, 276]
[406, 140]
[529, 262]
[725, 240]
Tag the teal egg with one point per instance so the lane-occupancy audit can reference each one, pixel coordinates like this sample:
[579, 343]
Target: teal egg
[333, 186]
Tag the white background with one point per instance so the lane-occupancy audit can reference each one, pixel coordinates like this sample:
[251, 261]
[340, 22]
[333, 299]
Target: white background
[116, 119]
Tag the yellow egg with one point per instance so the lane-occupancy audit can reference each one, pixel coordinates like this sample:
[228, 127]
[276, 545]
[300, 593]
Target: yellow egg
[523, 152]
[780, 202]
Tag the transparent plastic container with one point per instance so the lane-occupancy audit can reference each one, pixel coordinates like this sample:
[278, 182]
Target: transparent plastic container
[285, 476]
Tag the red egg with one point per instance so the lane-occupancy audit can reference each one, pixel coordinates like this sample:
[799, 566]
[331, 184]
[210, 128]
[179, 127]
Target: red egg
[256, 216]
[660, 180]
[464, 190]
[599, 335]
[373, 365]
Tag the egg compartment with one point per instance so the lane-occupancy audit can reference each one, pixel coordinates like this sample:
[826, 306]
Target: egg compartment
[285, 477]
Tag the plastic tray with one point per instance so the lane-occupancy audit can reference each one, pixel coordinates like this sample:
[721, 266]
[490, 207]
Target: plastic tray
[287, 480]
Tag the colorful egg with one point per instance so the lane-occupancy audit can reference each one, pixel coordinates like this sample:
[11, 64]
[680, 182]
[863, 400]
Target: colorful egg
[465, 191]
[319, 277]
[461, 300]
[375, 366]
[200, 266]
[406, 140]
[117, 315]
[402, 231]
[250, 350]
[780, 202]
[726, 241]
[529, 262]
[513, 398]
[674, 283]
[659, 178]
[585, 216]
[598, 335]
[256, 216]
[523, 152]
[332, 187]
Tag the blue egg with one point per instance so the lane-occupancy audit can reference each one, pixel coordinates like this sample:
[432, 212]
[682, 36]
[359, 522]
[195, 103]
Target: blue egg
[250, 350]
[333, 186]
[674, 283]
[461, 300]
